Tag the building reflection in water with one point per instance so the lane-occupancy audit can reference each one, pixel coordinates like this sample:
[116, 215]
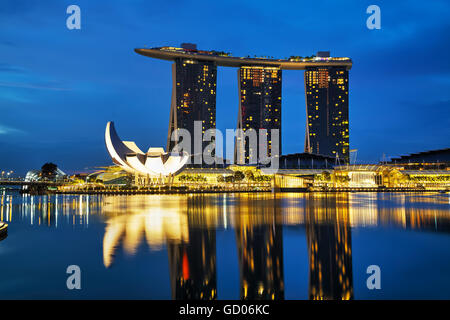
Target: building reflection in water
[132, 220]
[48, 210]
[329, 247]
[193, 264]
[422, 211]
[186, 225]
[260, 247]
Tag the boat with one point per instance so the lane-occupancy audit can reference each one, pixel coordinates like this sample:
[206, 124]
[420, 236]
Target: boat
[3, 230]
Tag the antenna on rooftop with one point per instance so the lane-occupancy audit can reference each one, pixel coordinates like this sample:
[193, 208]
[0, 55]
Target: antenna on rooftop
[337, 162]
[353, 154]
[384, 159]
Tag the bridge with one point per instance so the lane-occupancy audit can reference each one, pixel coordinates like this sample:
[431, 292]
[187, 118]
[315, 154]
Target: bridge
[29, 183]
[32, 187]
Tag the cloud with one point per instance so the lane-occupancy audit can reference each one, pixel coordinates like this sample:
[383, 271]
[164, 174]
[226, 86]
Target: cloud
[5, 130]
[6, 67]
[31, 86]
[14, 76]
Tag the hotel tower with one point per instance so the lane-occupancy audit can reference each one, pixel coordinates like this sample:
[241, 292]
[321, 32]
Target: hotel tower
[194, 76]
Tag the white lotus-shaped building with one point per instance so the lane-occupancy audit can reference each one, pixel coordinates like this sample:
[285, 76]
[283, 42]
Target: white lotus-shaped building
[154, 163]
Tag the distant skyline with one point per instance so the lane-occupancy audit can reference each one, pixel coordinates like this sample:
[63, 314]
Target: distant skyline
[59, 87]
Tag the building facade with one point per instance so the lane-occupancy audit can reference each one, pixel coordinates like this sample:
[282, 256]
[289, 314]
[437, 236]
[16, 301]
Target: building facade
[327, 129]
[259, 108]
[259, 79]
[306, 161]
[193, 99]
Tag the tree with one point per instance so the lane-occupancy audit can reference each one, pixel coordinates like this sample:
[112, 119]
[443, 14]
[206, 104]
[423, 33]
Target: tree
[49, 170]
[263, 178]
[199, 178]
[238, 176]
[249, 175]
[326, 176]
[229, 178]
[342, 178]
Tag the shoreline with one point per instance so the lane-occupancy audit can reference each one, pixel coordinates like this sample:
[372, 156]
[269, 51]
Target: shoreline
[296, 190]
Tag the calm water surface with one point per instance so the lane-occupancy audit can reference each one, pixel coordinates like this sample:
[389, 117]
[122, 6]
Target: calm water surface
[227, 246]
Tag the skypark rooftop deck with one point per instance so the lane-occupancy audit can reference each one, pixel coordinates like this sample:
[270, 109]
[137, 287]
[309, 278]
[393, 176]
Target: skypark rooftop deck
[226, 60]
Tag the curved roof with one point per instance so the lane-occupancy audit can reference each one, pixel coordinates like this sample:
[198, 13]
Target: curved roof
[440, 155]
[128, 155]
[426, 172]
[116, 148]
[228, 61]
[32, 175]
[360, 167]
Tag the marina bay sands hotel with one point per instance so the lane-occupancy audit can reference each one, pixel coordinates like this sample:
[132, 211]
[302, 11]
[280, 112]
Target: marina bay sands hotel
[194, 76]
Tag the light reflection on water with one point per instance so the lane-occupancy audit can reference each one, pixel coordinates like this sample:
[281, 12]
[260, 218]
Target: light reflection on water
[185, 227]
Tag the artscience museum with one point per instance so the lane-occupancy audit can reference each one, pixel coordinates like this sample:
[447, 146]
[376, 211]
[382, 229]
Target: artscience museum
[155, 163]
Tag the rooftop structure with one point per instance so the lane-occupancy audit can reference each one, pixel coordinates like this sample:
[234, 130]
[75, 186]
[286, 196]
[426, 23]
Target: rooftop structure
[226, 60]
[432, 156]
[306, 161]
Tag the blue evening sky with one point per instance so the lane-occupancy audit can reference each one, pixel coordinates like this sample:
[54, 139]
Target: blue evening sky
[59, 87]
